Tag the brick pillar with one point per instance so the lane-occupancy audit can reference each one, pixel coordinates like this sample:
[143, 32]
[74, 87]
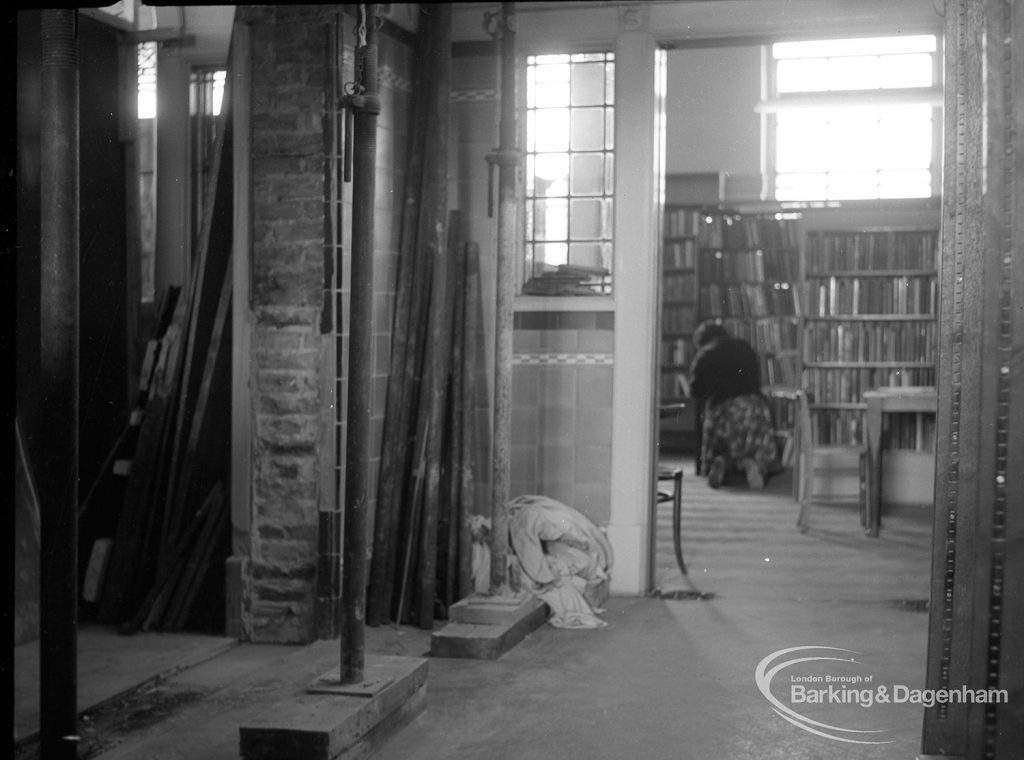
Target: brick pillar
[287, 86]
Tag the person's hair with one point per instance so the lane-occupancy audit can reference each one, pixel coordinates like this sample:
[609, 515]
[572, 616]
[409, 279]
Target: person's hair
[707, 332]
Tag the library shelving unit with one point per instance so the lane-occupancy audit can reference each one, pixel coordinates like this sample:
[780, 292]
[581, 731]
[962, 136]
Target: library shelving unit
[678, 315]
[869, 322]
[749, 269]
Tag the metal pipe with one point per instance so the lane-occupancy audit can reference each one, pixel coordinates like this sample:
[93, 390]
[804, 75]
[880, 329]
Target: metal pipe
[507, 158]
[366, 106]
[59, 325]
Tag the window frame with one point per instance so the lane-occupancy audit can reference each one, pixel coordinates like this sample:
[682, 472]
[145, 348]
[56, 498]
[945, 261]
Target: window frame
[526, 269]
[772, 102]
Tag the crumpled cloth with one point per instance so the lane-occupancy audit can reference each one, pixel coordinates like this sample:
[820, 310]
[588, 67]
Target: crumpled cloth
[558, 550]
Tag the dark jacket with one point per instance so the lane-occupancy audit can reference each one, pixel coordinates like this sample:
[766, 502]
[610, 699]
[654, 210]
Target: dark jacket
[724, 369]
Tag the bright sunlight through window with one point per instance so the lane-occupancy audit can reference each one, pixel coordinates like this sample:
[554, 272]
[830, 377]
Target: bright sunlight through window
[854, 119]
[569, 164]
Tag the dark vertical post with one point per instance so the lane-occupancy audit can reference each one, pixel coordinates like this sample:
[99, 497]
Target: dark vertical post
[58, 486]
[366, 106]
[976, 626]
[507, 159]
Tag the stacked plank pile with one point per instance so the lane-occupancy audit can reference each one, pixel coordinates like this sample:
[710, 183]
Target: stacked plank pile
[172, 530]
[569, 280]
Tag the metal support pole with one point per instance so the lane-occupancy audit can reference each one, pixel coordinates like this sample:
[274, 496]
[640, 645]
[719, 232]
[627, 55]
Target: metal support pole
[58, 486]
[507, 158]
[365, 104]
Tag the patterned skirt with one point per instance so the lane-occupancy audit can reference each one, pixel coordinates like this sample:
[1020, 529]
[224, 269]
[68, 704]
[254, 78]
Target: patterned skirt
[737, 429]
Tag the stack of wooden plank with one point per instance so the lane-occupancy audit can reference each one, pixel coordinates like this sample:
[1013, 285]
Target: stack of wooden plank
[422, 545]
[172, 532]
[569, 280]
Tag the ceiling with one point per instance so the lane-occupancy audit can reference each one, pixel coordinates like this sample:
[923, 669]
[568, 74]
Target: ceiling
[202, 32]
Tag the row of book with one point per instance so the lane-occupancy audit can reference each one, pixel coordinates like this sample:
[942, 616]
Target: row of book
[673, 385]
[683, 222]
[872, 250]
[680, 254]
[834, 296]
[846, 427]
[678, 319]
[775, 370]
[837, 427]
[847, 386]
[725, 229]
[749, 300]
[751, 266]
[909, 431]
[766, 335]
[679, 286]
[881, 341]
[779, 370]
[785, 414]
[678, 352]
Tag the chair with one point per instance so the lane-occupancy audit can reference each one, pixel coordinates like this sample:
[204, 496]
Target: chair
[810, 461]
[674, 474]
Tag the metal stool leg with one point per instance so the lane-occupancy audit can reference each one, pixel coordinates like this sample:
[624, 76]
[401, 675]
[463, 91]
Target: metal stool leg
[676, 476]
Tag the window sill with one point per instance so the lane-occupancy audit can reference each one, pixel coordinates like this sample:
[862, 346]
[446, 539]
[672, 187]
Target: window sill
[564, 303]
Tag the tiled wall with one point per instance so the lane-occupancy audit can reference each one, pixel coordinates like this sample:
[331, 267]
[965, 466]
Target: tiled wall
[395, 92]
[474, 135]
[562, 408]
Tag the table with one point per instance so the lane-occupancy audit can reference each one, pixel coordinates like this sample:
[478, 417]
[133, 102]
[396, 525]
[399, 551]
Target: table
[880, 402]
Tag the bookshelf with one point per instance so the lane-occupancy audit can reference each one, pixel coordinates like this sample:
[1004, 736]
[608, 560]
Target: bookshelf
[749, 272]
[678, 312]
[869, 322]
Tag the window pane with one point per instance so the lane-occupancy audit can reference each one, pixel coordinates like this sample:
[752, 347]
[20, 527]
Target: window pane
[588, 84]
[551, 129]
[847, 149]
[551, 220]
[853, 138]
[587, 254]
[801, 140]
[908, 137]
[802, 75]
[588, 129]
[852, 184]
[550, 95]
[588, 174]
[550, 255]
[542, 60]
[805, 186]
[904, 184]
[586, 219]
[569, 163]
[855, 72]
[551, 174]
[912, 70]
[924, 43]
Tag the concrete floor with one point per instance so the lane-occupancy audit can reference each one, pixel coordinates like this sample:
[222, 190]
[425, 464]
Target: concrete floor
[667, 678]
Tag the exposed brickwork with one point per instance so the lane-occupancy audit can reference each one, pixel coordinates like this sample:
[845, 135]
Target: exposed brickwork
[287, 295]
[289, 367]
